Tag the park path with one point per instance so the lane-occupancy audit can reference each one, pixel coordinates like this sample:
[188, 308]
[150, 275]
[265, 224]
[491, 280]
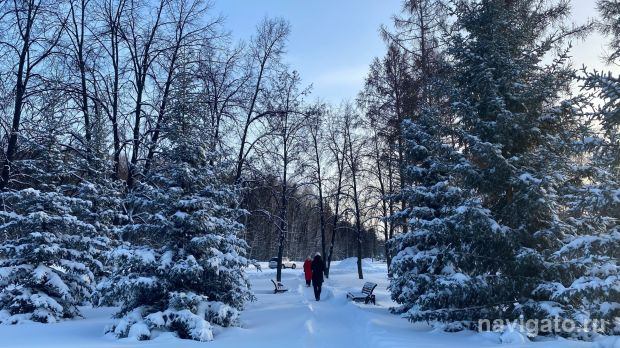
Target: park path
[296, 319]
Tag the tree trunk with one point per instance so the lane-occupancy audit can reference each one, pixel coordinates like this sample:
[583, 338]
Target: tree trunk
[79, 28]
[358, 219]
[20, 91]
[20, 88]
[113, 27]
[320, 188]
[390, 205]
[115, 96]
[340, 163]
[142, 63]
[248, 122]
[162, 109]
[283, 205]
[384, 203]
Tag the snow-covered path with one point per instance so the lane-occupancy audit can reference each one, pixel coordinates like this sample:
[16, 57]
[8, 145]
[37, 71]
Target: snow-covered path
[290, 319]
[295, 319]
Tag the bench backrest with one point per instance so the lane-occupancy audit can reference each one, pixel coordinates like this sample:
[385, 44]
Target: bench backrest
[278, 285]
[368, 288]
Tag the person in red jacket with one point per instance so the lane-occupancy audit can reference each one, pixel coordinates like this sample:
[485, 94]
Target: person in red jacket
[308, 270]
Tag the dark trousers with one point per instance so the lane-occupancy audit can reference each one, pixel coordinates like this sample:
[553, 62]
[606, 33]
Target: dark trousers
[308, 282]
[317, 290]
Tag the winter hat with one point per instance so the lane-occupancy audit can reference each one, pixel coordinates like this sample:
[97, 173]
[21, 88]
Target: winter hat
[317, 254]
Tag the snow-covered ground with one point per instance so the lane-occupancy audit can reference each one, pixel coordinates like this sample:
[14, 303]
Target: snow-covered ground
[290, 319]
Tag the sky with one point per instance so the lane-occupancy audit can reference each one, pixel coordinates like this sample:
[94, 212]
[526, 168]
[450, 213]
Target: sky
[333, 42]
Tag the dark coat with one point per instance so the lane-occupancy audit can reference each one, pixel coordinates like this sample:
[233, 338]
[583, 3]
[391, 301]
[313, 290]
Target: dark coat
[308, 269]
[318, 266]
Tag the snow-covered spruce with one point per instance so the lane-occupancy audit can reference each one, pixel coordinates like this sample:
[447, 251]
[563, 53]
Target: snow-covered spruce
[492, 234]
[588, 276]
[47, 266]
[182, 268]
[519, 135]
[441, 270]
[105, 213]
[588, 282]
[592, 253]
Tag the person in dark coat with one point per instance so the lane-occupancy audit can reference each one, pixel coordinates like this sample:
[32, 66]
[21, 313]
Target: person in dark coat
[317, 275]
[308, 270]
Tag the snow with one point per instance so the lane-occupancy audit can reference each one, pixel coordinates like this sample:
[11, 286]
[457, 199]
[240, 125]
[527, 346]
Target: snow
[351, 264]
[529, 178]
[197, 327]
[144, 255]
[513, 337]
[42, 273]
[290, 319]
[139, 331]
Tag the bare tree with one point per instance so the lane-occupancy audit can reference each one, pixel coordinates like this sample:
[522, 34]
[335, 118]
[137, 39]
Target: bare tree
[222, 81]
[383, 187]
[386, 100]
[353, 160]
[186, 17]
[417, 32]
[265, 51]
[108, 84]
[316, 134]
[32, 29]
[337, 144]
[141, 36]
[76, 31]
[286, 145]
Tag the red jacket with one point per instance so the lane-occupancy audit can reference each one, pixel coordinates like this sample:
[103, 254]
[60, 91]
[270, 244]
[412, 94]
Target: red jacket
[308, 269]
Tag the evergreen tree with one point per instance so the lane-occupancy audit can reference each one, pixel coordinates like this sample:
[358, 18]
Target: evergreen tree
[47, 266]
[589, 283]
[505, 223]
[181, 267]
[517, 132]
[587, 278]
[50, 240]
[444, 267]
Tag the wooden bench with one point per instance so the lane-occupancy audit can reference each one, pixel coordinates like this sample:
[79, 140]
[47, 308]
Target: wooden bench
[278, 287]
[366, 295]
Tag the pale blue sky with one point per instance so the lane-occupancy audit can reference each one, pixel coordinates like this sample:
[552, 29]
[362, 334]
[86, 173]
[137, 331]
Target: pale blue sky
[333, 41]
